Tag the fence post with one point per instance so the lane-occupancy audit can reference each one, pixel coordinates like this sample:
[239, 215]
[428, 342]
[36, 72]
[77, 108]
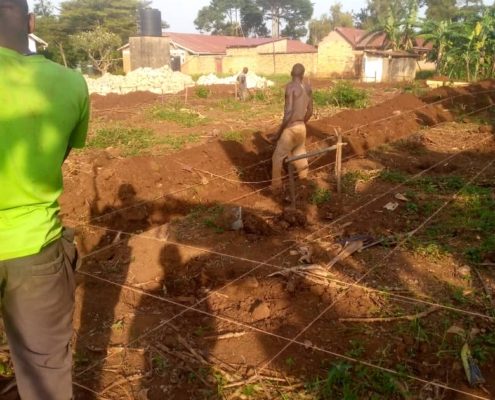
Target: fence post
[338, 162]
[292, 185]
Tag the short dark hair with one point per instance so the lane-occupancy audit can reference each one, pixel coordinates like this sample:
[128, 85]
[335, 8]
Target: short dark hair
[19, 5]
[298, 70]
[245, 69]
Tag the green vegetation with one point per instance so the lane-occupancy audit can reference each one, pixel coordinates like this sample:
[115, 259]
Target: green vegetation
[347, 382]
[202, 92]
[351, 178]
[249, 390]
[132, 140]
[234, 136]
[343, 94]
[233, 105]
[415, 88]
[392, 176]
[159, 364]
[181, 116]
[423, 75]
[320, 196]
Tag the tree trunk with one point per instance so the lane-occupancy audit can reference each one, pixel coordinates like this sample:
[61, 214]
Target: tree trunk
[62, 53]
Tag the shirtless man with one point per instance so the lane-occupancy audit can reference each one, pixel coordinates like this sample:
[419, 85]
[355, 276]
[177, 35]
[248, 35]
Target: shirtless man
[291, 136]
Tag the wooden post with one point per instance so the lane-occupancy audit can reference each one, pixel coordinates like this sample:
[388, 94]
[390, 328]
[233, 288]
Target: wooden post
[186, 93]
[292, 185]
[338, 162]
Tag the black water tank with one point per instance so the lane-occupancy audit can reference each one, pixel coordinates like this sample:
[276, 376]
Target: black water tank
[151, 22]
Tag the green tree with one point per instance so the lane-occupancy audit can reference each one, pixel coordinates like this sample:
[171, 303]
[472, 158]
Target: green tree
[319, 28]
[99, 45]
[116, 16]
[399, 23]
[465, 48]
[441, 10]
[438, 34]
[294, 14]
[231, 17]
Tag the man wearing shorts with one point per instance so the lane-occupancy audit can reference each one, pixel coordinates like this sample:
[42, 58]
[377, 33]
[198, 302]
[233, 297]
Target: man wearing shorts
[291, 136]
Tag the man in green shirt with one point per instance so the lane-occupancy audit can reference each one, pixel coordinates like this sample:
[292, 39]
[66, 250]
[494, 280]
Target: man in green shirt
[44, 112]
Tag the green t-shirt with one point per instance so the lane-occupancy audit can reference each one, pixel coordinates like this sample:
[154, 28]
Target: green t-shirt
[44, 110]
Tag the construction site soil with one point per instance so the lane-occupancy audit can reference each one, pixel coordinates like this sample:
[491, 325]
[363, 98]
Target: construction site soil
[175, 302]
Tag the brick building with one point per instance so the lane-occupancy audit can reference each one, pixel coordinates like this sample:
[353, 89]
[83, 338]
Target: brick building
[196, 54]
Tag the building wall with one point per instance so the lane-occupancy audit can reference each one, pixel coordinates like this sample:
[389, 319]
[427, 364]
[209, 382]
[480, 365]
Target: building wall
[336, 57]
[402, 69]
[200, 65]
[147, 51]
[262, 64]
[234, 64]
[285, 62]
[280, 47]
[126, 60]
[384, 69]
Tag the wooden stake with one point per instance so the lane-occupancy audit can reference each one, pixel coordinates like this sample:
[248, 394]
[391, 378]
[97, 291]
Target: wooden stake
[338, 162]
[186, 90]
[292, 185]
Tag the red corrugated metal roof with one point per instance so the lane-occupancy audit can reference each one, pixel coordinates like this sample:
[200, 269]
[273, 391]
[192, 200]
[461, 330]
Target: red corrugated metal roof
[352, 35]
[212, 44]
[295, 46]
[375, 40]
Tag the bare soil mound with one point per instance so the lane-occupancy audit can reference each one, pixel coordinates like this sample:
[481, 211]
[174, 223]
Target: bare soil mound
[386, 122]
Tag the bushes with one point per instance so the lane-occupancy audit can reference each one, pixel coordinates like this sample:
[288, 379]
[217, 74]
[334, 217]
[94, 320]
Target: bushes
[343, 94]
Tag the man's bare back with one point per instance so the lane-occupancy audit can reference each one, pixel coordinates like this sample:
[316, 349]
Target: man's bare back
[298, 103]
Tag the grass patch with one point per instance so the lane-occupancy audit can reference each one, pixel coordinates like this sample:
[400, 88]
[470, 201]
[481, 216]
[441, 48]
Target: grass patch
[343, 94]
[279, 79]
[321, 196]
[234, 136]
[232, 105]
[351, 178]
[392, 176]
[132, 140]
[202, 92]
[415, 89]
[178, 142]
[181, 116]
[423, 75]
[346, 382]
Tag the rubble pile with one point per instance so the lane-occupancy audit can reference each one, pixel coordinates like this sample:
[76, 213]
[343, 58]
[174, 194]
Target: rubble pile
[253, 81]
[160, 81]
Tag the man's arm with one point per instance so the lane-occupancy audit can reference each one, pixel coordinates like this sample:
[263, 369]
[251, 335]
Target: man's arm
[80, 131]
[288, 111]
[309, 112]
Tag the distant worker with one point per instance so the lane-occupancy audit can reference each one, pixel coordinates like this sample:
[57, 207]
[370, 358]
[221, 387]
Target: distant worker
[291, 136]
[242, 84]
[44, 113]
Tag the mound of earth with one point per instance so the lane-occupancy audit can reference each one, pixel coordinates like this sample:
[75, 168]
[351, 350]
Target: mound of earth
[386, 122]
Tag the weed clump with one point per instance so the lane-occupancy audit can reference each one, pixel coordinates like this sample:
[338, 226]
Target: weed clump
[202, 92]
[181, 116]
[343, 94]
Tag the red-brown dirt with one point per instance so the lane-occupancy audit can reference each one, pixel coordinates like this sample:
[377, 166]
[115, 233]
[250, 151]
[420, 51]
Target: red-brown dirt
[194, 302]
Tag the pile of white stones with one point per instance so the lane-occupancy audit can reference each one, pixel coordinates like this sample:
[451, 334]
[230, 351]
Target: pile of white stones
[253, 80]
[160, 81]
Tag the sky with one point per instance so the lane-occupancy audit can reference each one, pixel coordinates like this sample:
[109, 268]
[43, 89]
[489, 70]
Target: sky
[181, 17]
[181, 14]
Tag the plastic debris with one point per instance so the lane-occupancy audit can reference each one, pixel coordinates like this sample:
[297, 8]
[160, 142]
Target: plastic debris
[392, 206]
[471, 368]
[401, 197]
